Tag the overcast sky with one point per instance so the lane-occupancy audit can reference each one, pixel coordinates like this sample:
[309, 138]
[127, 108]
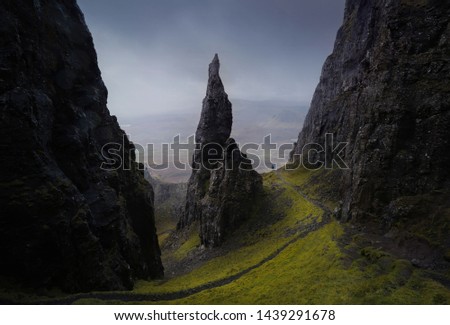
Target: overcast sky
[154, 54]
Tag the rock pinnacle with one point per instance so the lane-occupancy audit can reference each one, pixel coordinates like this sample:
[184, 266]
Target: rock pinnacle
[216, 117]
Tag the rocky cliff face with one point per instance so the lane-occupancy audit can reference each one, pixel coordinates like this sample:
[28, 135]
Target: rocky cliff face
[65, 221]
[386, 91]
[223, 183]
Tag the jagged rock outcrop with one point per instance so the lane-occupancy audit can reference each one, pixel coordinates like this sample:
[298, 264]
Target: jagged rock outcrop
[216, 118]
[64, 221]
[386, 91]
[223, 184]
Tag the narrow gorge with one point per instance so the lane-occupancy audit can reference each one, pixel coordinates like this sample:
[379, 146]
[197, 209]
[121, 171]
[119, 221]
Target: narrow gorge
[65, 221]
[80, 221]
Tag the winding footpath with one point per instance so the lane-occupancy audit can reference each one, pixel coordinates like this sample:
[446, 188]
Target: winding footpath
[129, 296]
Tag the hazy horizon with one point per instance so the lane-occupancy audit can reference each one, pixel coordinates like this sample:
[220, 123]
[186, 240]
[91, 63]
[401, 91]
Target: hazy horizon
[154, 55]
[154, 58]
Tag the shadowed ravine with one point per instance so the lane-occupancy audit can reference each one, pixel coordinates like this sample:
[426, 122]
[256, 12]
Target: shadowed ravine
[81, 223]
[136, 297]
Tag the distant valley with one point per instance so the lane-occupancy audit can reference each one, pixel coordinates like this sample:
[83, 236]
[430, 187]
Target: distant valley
[253, 120]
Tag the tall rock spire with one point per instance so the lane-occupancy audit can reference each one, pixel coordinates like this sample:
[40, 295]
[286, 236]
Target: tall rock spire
[216, 118]
[219, 195]
[214, 67]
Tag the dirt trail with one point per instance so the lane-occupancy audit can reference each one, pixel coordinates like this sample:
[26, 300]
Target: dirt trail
[138, 297]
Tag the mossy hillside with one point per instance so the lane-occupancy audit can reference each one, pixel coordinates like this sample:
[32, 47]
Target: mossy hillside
[326, 266]
[312, 270]
[292, 215]
[318, 185]
[192, 242]
[288, 214]
[280, 280]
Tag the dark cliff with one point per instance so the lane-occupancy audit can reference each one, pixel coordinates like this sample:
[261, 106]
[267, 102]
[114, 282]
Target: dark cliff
[65, 221]
[386, 91]
[223, 184]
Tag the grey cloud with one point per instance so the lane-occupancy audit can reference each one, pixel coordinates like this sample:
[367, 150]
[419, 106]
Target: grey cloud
[154, 54]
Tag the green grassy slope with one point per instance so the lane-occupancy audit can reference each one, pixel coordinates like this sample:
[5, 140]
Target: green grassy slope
[290, 251]
[328, 266]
